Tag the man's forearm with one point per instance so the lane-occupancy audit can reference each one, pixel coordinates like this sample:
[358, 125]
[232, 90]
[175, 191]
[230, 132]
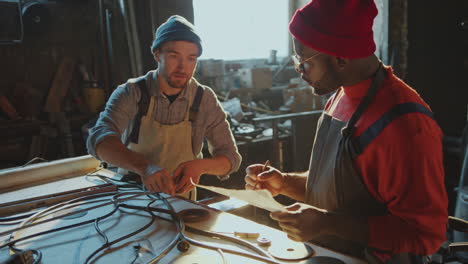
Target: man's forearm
[113, 151]
[294, 186]
[219, 165]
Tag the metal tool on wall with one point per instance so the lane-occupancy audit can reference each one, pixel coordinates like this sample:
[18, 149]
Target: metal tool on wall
[104, 48]
[127, 10]
[36, 18]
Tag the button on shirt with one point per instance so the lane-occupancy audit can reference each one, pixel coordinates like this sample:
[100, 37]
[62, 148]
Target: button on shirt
[118, 118]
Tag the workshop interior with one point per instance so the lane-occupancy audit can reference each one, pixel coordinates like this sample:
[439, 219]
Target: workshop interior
[60, 60]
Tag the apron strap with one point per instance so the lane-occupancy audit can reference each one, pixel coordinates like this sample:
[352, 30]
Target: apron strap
[143, 105]
[378, 126]
[379, 77]
[196, 104]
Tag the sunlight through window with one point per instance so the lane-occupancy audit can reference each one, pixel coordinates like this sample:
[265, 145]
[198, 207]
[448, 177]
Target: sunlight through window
[242, 29]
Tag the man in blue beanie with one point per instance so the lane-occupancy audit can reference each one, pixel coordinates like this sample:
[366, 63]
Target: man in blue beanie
[155, 125]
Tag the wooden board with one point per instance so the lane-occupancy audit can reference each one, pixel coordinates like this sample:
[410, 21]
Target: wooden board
[60, 85]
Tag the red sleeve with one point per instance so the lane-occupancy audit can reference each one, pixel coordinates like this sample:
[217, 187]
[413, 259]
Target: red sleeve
[403, 168]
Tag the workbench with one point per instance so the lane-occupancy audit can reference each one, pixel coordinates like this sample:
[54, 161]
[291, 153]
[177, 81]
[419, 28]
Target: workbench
[112, 213]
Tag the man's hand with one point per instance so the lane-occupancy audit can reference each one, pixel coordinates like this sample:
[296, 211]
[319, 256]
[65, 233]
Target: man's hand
[270, 179]
[157, 179]
[304, 222]
[184, 172]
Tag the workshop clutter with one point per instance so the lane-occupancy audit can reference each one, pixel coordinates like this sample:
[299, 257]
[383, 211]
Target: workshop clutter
[254, 88]
[260, 85]
[46, 121]
[213, 72]
[299, 97]
[234, 108]
[271, 111]
[239, 120]
[93, 94]
[257, 78]
[251, 74]
[94, 97]
[212, 68]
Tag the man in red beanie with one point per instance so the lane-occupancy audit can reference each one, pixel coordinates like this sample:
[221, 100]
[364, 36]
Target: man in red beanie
[375, 185]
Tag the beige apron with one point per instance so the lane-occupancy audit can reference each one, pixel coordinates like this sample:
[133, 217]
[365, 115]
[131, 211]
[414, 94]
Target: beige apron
[166, 146]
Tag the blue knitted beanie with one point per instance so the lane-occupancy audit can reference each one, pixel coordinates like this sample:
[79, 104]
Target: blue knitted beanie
[176, 28]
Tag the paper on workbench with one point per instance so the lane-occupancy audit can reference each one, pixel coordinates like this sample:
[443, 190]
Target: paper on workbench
[259, 198]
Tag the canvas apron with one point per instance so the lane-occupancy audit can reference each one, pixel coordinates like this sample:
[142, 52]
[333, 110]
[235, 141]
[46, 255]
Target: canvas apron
[166, 146]
[333, 182]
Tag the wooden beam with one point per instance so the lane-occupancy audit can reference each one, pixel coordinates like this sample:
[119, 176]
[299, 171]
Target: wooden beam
[60, 85]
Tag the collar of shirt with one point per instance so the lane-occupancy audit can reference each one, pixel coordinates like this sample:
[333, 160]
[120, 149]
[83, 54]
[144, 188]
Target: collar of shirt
[359, 90]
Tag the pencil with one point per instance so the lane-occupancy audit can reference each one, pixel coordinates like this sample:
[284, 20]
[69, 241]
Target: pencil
[265, 167]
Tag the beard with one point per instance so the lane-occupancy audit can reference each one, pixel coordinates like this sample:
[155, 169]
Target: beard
[175, 81]
[328, 82]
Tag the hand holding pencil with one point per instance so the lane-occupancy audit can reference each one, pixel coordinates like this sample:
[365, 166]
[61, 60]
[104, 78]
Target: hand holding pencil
[263, 176]
[265, 166]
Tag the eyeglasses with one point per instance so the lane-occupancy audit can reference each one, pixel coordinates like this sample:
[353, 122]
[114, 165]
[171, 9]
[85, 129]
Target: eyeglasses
[299, 64]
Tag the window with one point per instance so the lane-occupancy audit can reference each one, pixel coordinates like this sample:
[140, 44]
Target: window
[242, 29]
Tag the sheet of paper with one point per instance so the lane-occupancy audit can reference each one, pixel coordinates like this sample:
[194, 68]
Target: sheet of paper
[259, 198]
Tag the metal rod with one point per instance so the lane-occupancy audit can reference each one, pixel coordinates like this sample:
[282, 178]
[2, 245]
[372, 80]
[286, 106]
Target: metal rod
[276, 150]
[287, 116]
[134, 36]
[103, 40]
[131, 51]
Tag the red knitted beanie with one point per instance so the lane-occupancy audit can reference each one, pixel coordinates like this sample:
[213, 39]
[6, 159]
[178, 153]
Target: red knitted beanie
[341, 28]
